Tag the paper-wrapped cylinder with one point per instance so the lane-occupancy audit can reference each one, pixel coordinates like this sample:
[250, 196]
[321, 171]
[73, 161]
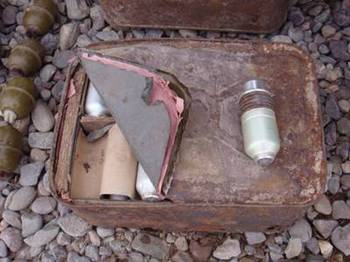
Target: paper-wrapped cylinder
[119, 168]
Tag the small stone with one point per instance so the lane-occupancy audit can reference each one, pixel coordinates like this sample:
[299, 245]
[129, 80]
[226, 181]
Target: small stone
[328, 31]
[62, 59]
[323, 206]
[296, 16]
[340, 210]
[229, 249]
[77, 9]
[74, 257]
[63, 239]
[275, 256]
[38, 155]
[97, 17]
[30, 173]
[254, 238]
[332, 108]
[9, 15]
[49, 42]
[346, 167]
[45, 94]
[281, 39]
[43, 236]
[105, 251]
[343, 126]
[138, 33]
[150, 245]
[104, 232]
[20, 199]
[58, 252]
[31, 223]
[344, 105]
[294, 248]
[3, 249]
[83, 41]
[94, 238]
[326, 248]
[341, 239]
[57, 90]
[12, 238]
[154, 33]
[41, 140]
[188, 33]
[42, 117]
[68, 35]
[181, 256]
[117, 246]
[200, 252]
[339, 50]
[47, 72]
[73, 225]
[325, 227]
[301, 230]
[107, 35]
[323, 49]
[296, 34]
[313, 246]
[170, 238]
[135, 257]
[46, 257]
[315, 11]
[333, 184]
[12, 218]
[181, 243]
[92, 252]
[43, 205]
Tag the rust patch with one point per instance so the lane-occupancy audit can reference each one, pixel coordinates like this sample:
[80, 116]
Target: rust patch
[86, 167]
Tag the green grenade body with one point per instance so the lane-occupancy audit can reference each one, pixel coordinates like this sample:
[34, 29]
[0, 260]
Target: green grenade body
[39, 17]
[19, 95]
[10, 148]
[26, 57]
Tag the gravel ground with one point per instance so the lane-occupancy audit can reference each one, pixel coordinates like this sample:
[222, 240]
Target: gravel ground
[35, 227]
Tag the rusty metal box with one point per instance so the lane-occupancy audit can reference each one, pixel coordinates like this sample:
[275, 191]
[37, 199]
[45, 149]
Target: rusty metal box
[215, 186]
[258, 16]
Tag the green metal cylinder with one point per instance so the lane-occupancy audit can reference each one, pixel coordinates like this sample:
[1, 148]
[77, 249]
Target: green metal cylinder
[10, 148]
[39, 17]
[26, 57]
[19, 96]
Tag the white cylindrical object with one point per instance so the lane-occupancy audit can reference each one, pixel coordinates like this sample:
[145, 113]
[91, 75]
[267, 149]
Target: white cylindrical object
[94, 105]
[258, 122]
[144, 186]
[260, 135]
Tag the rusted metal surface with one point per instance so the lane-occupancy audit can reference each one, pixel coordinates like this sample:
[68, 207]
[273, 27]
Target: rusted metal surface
[215, 186]
[227, 15]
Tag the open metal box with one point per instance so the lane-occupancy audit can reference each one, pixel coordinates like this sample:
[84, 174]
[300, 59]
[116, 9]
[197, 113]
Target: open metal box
[255, 16]
[215, 186]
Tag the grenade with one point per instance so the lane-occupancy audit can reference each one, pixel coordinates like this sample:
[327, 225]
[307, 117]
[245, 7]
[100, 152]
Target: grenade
[17, 98]
[259, 125]
[10, 148]
[39, 17]
[26, 57]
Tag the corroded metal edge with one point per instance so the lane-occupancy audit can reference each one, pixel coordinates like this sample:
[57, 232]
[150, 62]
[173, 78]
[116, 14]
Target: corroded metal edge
[271, 24]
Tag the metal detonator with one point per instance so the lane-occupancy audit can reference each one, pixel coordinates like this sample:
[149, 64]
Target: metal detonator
[258, 122]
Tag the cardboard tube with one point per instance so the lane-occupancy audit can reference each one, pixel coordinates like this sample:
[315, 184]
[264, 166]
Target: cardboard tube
[119, 168]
